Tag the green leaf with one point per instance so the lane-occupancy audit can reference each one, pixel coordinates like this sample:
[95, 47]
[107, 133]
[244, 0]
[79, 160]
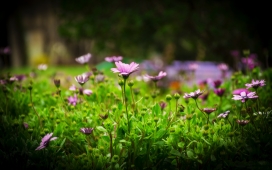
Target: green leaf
[181, 144]
[175, 152]
[190, 154]
[101, 129]
[156, 110]
[159, 143]
[160, 133]
[61, 145]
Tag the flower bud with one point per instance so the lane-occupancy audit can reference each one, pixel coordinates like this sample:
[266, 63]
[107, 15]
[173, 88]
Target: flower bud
[121, 82]
[206, 127]
[130, 83]
[176, 96]
[29, 87]
[156, 119]
[189, 116]
[154, 95]
[168, 97]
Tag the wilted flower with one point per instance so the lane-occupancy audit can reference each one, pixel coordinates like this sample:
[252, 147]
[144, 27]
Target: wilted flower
[193, 95]
[25, 125]
[238, 91]
[113, 59]
[125, 69]
[162, 105]
[45, 141]
[217, 83]
[82, 79]
[86, 131]
[57, 82]
[209, 110]
[158, 77]
[255, 84]
[223, 115]
[42, 66]
[84, 59]
[219, 92]
[242, 122]
[204, 97]
[104, 116]
[73, 100]
[244, 96]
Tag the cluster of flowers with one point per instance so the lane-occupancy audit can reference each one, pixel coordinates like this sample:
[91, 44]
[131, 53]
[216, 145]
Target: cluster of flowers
[125, 70]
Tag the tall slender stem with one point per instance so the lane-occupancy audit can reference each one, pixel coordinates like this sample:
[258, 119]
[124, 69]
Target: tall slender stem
[200, 109]
[133, 101]
[126, 103]
[34, 108]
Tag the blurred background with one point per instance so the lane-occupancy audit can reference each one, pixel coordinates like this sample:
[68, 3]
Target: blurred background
[55, 32]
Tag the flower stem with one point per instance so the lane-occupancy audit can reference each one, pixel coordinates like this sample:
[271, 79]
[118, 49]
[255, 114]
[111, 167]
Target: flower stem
[126, 104]
[133, 101]
[34, 108]
[200, 109]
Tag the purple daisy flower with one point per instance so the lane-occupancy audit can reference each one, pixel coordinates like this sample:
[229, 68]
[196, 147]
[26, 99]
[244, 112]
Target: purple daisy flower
[13, 79]
[113, 59]
[45, 141]
[242, 122]
[255, 84]
[245, 96]
[209, 110]
[158, 77]
[219, 92]
[223, 67]
[86, 131]
[82, 79]
[88, 92]
[223, 115]
[99, 78]
[20, 77]
[73, 88]
[238, 91]
[73, 100]
[125, 69]
[84, 59]
[193, 95]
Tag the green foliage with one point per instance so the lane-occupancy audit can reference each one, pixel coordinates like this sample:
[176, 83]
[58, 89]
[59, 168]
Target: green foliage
[139, 135]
